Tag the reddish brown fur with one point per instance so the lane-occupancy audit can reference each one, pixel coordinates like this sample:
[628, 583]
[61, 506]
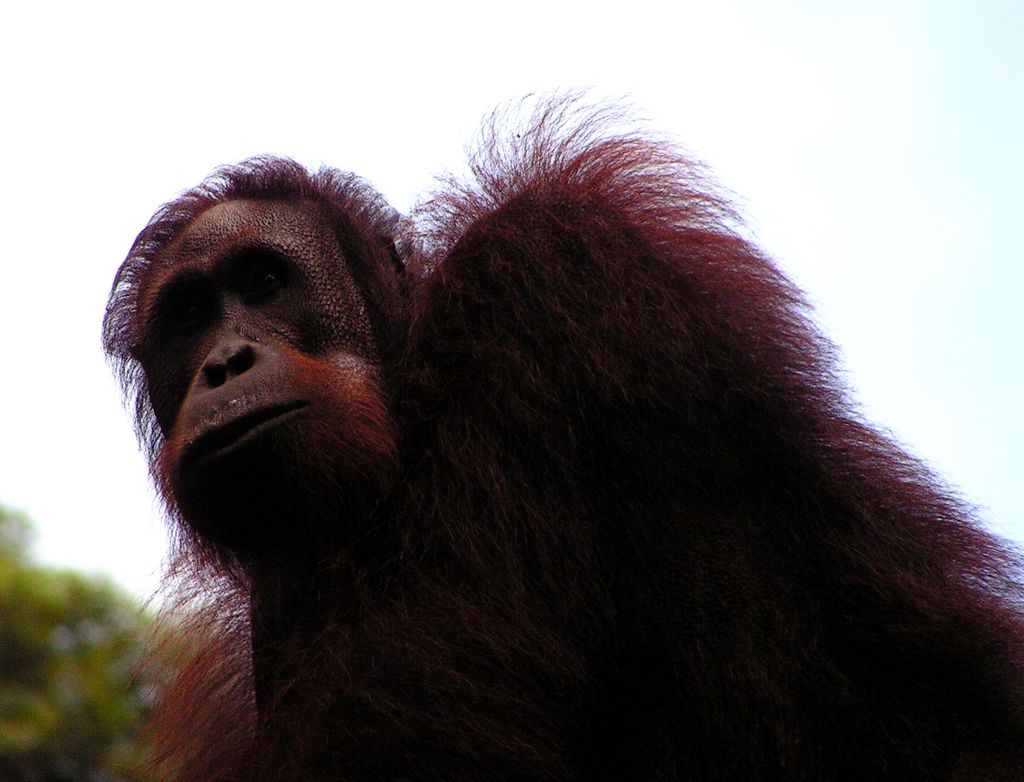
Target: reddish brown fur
[637, 530]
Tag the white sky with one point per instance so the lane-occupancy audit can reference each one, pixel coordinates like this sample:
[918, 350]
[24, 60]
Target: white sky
[878, 152]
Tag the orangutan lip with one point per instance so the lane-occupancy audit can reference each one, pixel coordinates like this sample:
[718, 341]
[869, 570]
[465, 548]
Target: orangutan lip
[228, 434]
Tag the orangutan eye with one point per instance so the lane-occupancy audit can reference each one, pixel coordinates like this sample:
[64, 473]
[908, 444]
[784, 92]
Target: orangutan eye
[185, 307]
[257, 273]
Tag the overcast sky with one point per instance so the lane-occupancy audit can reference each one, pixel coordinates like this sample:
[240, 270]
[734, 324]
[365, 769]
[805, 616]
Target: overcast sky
[877, 153]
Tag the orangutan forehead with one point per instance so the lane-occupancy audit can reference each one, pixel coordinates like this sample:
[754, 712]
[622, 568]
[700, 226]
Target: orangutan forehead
[296, 229]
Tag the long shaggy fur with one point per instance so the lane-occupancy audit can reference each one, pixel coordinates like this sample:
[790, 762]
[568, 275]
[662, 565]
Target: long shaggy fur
[639, 530]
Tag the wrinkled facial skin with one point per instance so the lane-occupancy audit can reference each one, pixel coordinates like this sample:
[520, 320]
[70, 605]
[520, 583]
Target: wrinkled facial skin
[262, 372]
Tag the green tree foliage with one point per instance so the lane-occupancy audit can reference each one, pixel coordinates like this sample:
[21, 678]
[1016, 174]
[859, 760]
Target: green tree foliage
[71, 701]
